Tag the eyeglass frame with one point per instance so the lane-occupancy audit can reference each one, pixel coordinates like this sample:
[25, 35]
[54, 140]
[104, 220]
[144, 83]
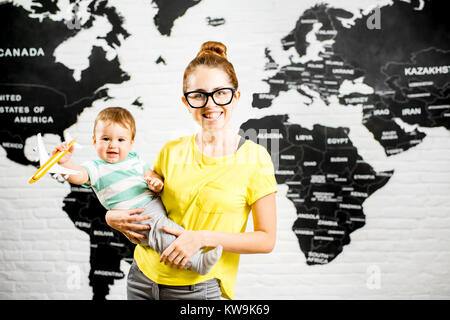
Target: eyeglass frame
[209, 94]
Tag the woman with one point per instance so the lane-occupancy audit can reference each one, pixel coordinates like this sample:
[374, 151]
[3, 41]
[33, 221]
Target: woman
[211, 182]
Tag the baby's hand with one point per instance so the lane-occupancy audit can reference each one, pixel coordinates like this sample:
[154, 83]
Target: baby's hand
[63, 147]
[154, 184]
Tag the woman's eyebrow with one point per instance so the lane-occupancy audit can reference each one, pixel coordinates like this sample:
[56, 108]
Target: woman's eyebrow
[216, 88]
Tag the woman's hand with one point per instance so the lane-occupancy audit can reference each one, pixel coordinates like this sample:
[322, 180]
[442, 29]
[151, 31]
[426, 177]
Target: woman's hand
[126, 221]
[187, 243]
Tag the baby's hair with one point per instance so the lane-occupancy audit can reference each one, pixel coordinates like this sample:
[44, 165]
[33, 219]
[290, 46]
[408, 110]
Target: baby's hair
[117, 115]
[212, 54]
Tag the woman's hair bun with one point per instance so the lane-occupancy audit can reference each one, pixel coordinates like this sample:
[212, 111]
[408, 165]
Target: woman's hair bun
[213, 47]
[212, 54]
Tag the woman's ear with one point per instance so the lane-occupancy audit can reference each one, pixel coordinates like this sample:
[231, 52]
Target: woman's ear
[237, 96]
[183, 99]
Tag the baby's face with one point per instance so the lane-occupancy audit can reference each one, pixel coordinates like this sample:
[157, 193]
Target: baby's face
[112, 141]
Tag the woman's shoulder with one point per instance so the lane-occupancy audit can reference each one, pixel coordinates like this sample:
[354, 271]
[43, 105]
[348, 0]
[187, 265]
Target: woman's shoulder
[178, 146]
[257, 152]
[180, 142]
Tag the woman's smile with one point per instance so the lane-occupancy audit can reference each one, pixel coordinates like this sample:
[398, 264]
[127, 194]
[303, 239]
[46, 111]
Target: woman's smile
[212, 115]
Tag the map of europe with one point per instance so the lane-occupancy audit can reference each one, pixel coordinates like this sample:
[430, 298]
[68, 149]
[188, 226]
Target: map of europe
[328, 180]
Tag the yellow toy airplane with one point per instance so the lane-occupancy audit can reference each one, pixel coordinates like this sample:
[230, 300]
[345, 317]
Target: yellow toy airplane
[49, 164]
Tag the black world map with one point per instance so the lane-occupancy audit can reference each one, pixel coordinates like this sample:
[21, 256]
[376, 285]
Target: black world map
[406, 62]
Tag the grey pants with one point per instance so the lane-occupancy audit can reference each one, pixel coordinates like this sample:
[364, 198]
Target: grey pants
[139, 287]
[158, 239]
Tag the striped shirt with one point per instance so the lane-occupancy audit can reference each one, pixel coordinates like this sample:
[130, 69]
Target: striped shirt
[119, 185]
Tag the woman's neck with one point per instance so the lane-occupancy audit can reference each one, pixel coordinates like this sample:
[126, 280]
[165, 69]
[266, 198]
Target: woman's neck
[218, 143]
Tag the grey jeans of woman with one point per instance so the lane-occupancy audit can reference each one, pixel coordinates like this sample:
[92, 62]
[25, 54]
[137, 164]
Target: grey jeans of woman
[139, 287]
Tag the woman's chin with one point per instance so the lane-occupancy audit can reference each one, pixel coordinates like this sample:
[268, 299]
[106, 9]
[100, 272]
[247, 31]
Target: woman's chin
[218, 124]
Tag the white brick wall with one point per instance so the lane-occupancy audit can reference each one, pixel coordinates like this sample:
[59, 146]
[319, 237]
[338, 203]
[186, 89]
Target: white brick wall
[407, 234]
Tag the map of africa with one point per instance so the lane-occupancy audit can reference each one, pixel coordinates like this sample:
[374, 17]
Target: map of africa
[328, 181]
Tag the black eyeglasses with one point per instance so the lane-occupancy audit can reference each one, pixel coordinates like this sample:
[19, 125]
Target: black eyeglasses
[199, 99]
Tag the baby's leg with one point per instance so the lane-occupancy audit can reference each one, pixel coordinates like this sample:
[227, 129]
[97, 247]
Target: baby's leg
[156, 210]
[159, 240]
[203, 262]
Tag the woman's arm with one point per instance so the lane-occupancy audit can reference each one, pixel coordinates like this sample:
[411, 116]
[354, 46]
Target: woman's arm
[261, 240]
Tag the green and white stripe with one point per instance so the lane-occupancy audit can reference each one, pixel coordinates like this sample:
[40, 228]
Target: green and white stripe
[119, 185]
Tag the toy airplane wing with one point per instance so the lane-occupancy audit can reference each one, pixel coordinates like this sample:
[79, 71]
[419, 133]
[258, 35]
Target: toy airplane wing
[43, 155]
[61, 170]
[68, 137]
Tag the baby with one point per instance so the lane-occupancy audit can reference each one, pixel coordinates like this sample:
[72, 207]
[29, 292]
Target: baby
[121, 180]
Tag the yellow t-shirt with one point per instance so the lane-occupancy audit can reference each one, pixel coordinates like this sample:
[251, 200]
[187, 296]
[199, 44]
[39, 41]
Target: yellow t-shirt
[205, 193]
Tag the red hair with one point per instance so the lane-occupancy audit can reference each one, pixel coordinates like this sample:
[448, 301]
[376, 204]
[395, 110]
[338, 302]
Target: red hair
[212, 54]
[117, 115]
